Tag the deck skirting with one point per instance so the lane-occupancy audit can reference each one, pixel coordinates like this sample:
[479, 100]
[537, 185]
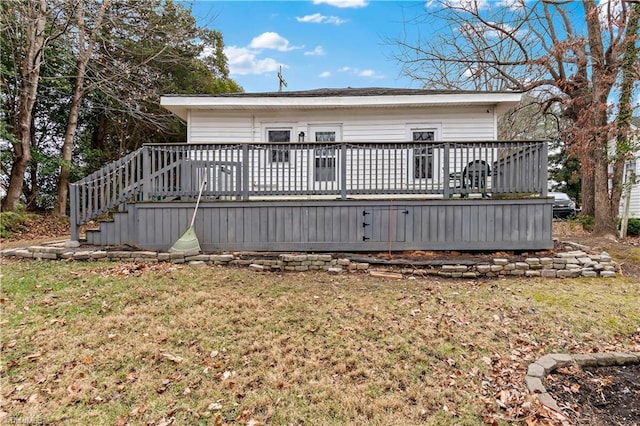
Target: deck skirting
[480, 224]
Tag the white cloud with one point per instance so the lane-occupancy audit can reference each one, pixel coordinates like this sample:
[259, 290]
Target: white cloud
[609, 11]
[317, 18]
[325, 74]
[244, 61]
[511, 4]
[459, 4]
[343, 4]
[318, 51]
[271, 40]
[367, 73]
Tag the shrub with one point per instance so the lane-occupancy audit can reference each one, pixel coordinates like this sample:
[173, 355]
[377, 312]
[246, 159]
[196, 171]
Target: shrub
[13, 222]
[587, 222]
[633, 226]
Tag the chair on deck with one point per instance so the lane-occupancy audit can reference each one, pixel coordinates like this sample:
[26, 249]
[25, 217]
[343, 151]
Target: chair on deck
[474, 176]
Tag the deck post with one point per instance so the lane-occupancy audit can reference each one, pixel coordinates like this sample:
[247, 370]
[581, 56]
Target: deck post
[146, 173]
[544, 175]
[74, 208]
[245, 171]
[343, 171]
[446, 178]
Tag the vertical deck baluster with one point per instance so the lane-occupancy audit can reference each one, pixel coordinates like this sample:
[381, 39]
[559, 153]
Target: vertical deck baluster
[245, 171]
[144, 172]
[447, 172]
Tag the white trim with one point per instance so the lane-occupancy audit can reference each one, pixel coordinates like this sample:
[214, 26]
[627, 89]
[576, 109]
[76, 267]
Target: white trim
[265, 126]
[180, 104]
[264, 135]
[189, 121]
[324, 127]
[436, 128]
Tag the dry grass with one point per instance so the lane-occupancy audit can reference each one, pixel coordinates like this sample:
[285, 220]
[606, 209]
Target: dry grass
[106, 343]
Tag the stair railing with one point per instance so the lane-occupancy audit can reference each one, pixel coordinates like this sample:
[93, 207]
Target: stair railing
[106, 189]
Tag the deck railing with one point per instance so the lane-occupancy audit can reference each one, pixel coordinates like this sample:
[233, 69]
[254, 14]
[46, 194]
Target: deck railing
[245, 171]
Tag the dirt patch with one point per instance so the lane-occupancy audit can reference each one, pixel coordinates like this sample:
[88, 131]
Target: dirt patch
[38, 229]
[598, 395]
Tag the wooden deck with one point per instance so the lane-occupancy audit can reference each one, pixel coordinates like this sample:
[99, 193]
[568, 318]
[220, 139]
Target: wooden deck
[324, 197]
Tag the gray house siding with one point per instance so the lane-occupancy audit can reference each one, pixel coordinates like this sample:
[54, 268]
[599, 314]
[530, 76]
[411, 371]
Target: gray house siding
[348, 225]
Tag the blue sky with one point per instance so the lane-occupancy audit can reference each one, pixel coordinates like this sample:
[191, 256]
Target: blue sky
[318, 43]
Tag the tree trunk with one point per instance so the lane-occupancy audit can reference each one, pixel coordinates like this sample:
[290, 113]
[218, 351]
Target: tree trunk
[60, 208]
[605, 220]
[30, 73]
[85, 50]
[624, 149]
[588, 204]
[604, 67]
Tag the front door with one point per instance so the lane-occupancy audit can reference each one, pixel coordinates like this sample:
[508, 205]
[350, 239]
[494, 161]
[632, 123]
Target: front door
[324, 157]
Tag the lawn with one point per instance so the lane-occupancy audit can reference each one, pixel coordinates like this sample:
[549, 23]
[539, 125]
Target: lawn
[109, 343]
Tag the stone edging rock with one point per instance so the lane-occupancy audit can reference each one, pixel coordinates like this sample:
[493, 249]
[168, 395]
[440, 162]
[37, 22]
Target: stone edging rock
[537, 370]
[568, 264]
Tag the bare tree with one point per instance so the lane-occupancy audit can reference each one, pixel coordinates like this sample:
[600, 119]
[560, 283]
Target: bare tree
[86, 40]
[536, 47]
[32, 16]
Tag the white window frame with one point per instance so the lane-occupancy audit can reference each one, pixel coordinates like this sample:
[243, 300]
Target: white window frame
[311, 131]
[436, 128]
[268, 127]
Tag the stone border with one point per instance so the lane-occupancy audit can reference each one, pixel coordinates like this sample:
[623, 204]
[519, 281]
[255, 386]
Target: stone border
[548, 363]
[569, 264]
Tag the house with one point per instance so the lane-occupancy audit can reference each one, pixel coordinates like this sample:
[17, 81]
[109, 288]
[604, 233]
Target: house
[329, 170]
[632, 178]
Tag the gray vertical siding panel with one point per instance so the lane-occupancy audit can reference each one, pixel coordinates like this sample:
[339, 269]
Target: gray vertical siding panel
[327, 222]
[457, 222]
[489, 224]
[288, 225]
[497, 218]
[441, 224]
[304, 225]
[279, 224]
[260, 219]
[466, 223]
[316, 226]
[313, 224]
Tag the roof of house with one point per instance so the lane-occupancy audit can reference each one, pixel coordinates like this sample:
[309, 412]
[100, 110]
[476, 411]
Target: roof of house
[342, 92]
[368, 97]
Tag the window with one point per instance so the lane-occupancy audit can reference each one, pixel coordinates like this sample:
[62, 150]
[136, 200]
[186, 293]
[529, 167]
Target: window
[423, 156]
[279, 154]
[325, 158]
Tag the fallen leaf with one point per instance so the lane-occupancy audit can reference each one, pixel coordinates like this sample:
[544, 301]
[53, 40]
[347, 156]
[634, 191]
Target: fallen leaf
[214, 406]
[218, 420]
[34, 356]
[166, 422]
[121, 420]
[74, 388]
[138, 410]
[88, 360]
[174, 358]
